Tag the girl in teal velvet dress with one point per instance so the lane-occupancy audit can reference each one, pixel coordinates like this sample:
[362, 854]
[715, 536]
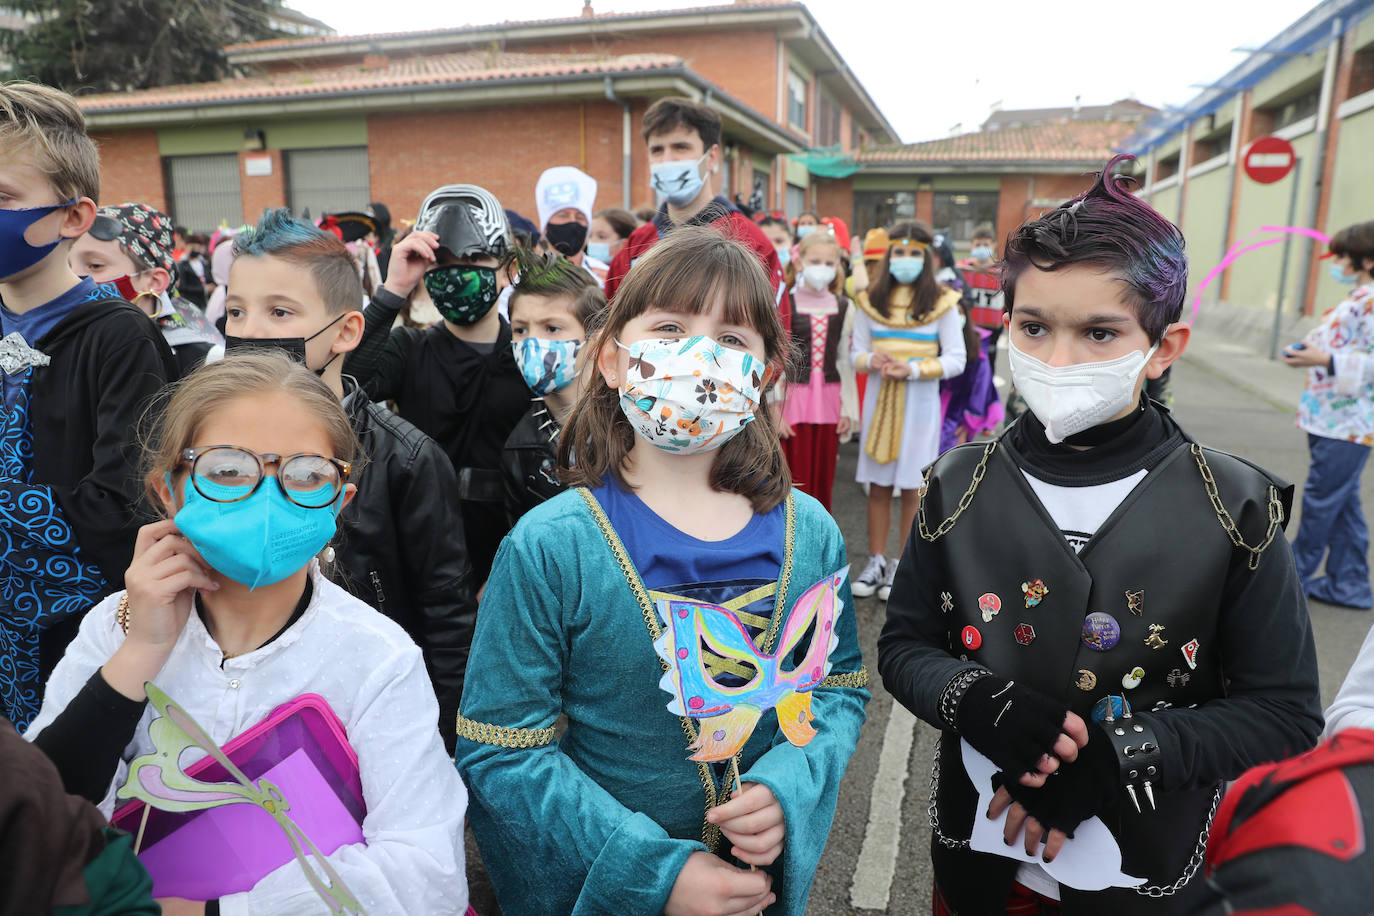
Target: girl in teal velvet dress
[679, 493]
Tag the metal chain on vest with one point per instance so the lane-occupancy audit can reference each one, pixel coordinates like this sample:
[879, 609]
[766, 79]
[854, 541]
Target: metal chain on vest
[1194, 863]
[964, 500]
[934, 809]
[1228, 524]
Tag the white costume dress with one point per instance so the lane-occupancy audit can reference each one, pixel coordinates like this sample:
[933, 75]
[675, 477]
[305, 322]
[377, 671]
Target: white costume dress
[906, 413]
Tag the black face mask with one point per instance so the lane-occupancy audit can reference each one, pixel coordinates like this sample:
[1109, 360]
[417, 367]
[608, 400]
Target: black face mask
[293, 347]
[566, 238]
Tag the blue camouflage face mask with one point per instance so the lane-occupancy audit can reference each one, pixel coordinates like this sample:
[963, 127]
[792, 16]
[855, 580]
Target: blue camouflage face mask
[547, 365]
[16, 254]
[259, 540]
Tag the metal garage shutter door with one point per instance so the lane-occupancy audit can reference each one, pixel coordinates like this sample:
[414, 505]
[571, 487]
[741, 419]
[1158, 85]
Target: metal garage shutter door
[327, 180]
[205, 191]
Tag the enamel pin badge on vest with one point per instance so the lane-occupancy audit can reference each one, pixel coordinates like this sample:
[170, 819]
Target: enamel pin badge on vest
[1189, 650]
[990, 605]
[1035, 592]
[1135, 600]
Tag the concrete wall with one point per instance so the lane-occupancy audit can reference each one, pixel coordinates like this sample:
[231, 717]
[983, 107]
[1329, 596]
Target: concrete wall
[1255, 277]
[1352, 192]
[1204, 221]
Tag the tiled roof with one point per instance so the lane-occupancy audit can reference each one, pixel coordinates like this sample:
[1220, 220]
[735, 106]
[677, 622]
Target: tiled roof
[1069, 141]
[317, 41]
[428, 71]
[1120, 110]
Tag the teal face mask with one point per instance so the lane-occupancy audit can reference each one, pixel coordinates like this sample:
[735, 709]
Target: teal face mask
[906, 270]
[259, 540]
[599, 250]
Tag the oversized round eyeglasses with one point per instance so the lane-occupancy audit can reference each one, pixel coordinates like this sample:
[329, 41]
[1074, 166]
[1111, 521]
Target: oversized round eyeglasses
[228, 473]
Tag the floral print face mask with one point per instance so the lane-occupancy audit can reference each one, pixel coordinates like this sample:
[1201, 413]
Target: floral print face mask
[691, 394]
[462, 293]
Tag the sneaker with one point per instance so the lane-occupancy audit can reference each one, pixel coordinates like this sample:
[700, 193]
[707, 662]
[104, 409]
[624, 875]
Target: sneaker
[886, 588]
[870, 578]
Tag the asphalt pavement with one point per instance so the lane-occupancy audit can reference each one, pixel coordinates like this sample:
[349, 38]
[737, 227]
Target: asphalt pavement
[878, 858]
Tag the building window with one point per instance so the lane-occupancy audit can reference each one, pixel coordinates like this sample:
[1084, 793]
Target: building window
[828, 130]
[856, 135]
[204, 191]
[796, 100]
[881, 208]
[957, 212]
[759, 198]
[796, 200]
[1362, 72]
[327, 180]
[1283, 114]
[1166, 168]
[1209, 148]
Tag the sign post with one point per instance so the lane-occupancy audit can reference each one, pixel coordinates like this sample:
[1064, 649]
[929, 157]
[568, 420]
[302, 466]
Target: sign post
[1271, 159]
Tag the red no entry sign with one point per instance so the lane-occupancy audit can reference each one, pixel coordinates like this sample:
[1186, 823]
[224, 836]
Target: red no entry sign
[1269, 159]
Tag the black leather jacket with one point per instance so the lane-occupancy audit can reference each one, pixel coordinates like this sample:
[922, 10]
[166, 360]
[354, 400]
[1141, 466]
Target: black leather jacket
[529, 461]
[401, 547]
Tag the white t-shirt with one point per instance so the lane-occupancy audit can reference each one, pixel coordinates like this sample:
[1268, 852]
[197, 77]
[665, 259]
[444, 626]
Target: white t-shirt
[1079, 512]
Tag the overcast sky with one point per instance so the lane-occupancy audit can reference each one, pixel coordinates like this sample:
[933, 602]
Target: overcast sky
[930, 66]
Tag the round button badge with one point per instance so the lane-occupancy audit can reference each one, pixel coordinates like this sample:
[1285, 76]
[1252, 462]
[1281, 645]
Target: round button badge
[972, 638]
[1101, 631]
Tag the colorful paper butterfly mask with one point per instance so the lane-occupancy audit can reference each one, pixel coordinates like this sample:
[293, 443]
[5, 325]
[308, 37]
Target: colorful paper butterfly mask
[727, 715]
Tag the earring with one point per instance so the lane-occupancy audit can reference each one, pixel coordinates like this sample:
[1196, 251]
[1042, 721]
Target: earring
[612, 378]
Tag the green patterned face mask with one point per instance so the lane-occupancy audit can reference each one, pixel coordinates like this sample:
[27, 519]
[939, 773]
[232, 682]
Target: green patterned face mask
[462, 293]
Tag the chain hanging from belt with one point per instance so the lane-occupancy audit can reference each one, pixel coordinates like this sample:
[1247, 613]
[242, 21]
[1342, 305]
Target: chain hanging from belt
[964, 500]
[1228, 524]
[1144, 890]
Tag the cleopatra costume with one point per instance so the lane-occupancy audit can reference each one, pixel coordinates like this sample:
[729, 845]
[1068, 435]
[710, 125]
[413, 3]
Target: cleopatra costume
[1182, 607]
[602, 817]
[901, 417]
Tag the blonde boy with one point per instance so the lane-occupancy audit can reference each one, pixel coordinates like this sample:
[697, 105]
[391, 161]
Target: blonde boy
[77, 367]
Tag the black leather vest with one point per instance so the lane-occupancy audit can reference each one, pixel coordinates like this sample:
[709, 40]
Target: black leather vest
[1157, 566]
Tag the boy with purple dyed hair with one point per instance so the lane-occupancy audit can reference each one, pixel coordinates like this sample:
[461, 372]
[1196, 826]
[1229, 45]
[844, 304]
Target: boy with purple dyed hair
[1098, 605]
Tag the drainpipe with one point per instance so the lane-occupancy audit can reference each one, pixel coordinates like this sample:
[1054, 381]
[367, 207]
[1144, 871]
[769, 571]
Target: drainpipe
[1319, 154]
[1233, 158]
[625, 151]
[1185, 157]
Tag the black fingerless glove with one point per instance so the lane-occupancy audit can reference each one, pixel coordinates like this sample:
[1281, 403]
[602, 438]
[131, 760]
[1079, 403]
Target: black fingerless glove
[1011, 725]
[1077, 791]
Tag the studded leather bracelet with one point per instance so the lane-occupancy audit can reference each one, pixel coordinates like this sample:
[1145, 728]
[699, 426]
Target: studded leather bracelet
[1137, 753]
[954, 692]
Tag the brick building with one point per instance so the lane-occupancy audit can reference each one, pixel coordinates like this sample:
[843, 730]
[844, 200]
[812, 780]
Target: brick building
[1017, 165]
[331, 122]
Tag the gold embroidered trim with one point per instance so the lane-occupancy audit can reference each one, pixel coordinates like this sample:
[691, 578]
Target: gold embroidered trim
[122, 613]
[847, 679]
[789, 541]
[501, 736]
[710, 833]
